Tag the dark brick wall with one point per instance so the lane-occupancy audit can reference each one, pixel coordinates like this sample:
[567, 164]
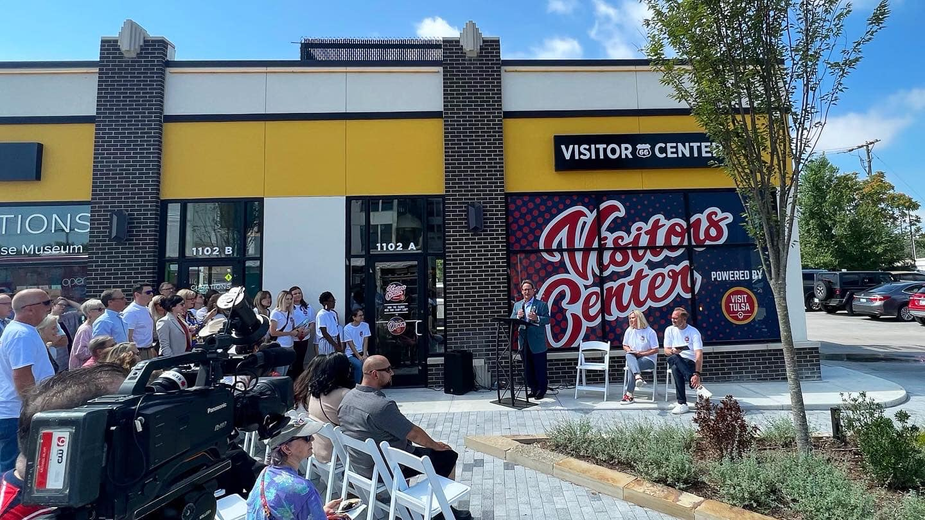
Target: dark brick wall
[721, 367]
[476, 267]
[127, 164]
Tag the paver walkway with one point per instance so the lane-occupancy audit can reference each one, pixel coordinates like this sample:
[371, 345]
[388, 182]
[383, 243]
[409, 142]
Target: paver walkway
[502, 490]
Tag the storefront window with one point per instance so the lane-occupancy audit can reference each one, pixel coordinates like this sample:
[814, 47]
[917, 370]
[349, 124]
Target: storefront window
[57, 280]
[212, 244]
[597, 257]
[173, 231]
[212, 230]
[396, 225]
[434, 225]
[44, 231]
[357, 227]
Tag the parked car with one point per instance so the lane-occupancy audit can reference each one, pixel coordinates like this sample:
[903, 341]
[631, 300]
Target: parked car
[907, 276]
[809, 298]
[889, 299]
[835, 290]
[917, 307]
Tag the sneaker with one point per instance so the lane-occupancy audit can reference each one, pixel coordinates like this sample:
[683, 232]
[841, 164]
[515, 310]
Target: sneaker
[640, 381]
[680, 409]
[703, 393]
[627, 399]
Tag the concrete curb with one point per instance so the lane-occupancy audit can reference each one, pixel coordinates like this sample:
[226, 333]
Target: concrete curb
[519, 449]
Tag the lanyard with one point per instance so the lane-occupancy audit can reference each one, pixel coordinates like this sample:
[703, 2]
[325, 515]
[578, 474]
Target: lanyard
[263, 497]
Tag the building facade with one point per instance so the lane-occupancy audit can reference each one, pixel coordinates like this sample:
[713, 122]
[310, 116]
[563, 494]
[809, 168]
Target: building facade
[411, 180]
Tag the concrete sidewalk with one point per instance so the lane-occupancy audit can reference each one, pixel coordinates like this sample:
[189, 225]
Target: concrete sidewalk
[817, 395]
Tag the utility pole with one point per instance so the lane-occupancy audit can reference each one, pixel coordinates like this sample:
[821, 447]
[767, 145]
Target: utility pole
[868, 146]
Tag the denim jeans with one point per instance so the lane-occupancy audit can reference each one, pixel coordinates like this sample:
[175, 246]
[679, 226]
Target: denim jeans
[9, 447]
[357, 368]
[634, 366]
[681, 369]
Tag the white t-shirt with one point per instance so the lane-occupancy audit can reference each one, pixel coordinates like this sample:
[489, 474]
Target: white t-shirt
[675, 337]
[640, 340]
[282, 325]
[328, 320]
[138, 320]
[20, 346]
[355, 333]
[303, 317]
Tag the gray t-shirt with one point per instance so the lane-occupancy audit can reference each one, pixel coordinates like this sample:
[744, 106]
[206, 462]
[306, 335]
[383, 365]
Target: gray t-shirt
[366, 413]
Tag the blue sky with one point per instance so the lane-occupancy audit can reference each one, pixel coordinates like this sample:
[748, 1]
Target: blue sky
[885, 100]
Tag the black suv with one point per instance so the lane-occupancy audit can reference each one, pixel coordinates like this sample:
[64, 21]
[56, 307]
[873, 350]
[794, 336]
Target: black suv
[809, 296]
[836, 289]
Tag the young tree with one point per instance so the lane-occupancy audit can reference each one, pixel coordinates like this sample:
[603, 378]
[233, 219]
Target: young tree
[760, 76]
[851, 223]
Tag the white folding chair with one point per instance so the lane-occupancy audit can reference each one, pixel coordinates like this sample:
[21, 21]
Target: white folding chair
[367, 489]
[584, 366]
[420, 497]
[654, 371]
[331, 472]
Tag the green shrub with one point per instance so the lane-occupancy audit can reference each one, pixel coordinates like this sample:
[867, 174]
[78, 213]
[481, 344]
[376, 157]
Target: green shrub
[658, 452]
[745, 482]
[912, 507]
[723, 428]
[891, 454]
[779, 431]
[819, 490]
[858, 411]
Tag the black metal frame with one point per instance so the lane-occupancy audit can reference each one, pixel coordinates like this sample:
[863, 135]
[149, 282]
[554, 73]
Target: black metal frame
[183, 261]
[689, 249]
[370, 257]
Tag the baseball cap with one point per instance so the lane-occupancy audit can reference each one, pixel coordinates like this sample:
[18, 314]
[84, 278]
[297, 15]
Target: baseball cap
[297, 428]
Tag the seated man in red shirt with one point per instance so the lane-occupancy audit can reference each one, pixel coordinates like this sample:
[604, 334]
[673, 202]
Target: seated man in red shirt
[62, 391]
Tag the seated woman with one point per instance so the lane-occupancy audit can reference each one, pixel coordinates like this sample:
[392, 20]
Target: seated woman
[328, 380]
[641, 345]
[280, 492]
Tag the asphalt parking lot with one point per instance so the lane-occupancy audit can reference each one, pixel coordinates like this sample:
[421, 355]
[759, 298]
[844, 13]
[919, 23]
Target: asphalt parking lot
[842, 334]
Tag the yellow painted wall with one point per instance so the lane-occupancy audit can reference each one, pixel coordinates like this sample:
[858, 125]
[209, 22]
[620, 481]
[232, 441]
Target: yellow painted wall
[67, 163]
[302, 158]
[529, 163]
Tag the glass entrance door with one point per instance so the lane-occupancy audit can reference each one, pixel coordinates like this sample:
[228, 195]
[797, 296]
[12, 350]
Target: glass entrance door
[401, 334]
[201, 278]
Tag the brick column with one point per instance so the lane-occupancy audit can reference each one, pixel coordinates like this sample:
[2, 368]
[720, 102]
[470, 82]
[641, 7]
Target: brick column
[127, 163]
[476, 267]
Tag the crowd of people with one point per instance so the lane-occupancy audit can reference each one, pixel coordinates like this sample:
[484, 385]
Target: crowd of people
[41, 336]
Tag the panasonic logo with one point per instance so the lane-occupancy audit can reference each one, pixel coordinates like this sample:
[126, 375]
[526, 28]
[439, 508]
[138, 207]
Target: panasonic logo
[217, 408]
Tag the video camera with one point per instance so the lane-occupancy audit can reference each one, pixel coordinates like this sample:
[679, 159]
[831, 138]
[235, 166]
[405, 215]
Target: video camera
[164, 447]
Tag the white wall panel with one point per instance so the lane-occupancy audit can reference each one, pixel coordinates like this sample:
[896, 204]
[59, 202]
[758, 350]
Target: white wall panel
[568, 90]
[209, 93]
[300, 93]
[300, 235]
[652, 94]
[72, 94]
[395, 92]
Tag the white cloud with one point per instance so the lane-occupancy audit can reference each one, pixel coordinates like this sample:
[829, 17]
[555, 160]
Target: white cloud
[618, 27]
[561, 6]
[557, 49]
[435, 27]
[885, 122]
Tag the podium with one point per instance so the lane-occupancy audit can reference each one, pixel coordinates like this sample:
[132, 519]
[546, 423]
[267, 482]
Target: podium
[504, 342]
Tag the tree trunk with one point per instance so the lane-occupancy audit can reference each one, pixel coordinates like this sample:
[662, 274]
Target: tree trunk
[798, 410]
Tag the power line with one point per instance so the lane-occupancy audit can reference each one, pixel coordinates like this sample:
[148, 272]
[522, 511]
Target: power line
[868, 147]
[895, 174]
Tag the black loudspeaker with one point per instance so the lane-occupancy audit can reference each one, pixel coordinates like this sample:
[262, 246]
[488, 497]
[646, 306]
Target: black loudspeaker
[458, 375]
[118, 225]
[474, 220]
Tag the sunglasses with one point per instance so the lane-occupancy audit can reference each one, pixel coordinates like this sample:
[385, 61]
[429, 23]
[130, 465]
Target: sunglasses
[46, 303]
[149, 292]
[386, 369]
[310, 438]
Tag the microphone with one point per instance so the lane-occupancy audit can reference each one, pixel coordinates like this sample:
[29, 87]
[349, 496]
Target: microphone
[269, 358]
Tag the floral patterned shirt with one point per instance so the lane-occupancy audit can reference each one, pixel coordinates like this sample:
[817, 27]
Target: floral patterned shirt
[289, 496]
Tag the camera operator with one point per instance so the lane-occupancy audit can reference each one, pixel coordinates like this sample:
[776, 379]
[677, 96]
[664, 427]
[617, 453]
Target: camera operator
[280, 492]
[62, 391]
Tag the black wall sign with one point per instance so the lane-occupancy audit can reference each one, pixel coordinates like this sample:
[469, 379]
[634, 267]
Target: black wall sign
[633, 151]
[20, 161]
